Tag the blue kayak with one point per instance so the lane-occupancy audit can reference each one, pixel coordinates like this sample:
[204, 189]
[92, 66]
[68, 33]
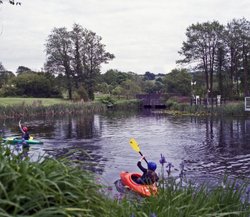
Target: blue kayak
[16, 140]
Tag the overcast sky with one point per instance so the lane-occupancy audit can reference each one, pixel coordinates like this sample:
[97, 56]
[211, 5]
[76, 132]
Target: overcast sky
[144, 35]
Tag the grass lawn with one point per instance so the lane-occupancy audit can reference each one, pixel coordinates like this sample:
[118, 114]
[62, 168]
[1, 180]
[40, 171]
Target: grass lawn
[6, 101]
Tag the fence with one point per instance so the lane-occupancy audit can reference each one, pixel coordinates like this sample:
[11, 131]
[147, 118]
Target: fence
[208, 101]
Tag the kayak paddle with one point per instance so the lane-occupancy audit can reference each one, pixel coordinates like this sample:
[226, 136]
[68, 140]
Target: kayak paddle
[136, 147]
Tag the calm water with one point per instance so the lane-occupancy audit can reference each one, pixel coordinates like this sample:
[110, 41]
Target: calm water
[209, 147]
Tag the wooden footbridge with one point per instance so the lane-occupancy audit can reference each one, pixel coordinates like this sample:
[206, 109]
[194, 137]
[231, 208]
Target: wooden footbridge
[154, 100]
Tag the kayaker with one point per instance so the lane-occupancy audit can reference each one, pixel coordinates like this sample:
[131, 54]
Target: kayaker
[25, 132]
[149, 175]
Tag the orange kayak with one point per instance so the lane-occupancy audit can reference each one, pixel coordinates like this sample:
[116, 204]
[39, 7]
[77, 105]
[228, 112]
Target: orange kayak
[128, 179]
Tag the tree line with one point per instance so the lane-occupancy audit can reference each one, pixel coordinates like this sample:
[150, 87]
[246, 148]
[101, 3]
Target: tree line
[217, 58]
[222, 54]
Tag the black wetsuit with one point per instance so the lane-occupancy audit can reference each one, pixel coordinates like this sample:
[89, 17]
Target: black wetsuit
[148, 177]
[26, 136]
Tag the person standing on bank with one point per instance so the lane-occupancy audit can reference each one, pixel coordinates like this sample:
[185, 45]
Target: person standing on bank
[149, 175]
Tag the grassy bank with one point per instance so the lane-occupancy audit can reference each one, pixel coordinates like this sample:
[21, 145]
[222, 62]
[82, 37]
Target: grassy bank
[52, 187]
[31, 107]
[228, 109]
[10, 101]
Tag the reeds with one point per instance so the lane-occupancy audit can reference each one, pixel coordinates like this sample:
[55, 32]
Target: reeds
[50, 187]
[47, 187]
[20, 110]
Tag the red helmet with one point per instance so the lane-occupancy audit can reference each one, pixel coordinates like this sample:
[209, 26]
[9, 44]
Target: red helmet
[25, 129]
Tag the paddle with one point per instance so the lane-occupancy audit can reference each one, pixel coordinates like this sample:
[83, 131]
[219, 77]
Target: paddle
[136, 147]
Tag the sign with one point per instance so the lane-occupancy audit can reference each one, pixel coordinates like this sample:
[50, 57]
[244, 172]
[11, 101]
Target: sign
[247, 103]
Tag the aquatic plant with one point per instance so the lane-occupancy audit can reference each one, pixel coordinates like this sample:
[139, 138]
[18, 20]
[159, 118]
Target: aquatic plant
[46, 188]
[52, 187]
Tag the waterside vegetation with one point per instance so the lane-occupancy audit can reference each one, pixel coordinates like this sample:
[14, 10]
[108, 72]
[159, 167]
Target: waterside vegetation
[50, 187]
[236, 108]
[32, 107]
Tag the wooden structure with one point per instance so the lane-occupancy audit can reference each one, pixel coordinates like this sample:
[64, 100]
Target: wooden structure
[154, 100]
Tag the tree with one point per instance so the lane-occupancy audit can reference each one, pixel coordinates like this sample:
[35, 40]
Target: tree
[114, 77]
[2, 67]
[5, 75]
[130, 88]
[59, 55]
[178, 82]
[30, 84]
[12, 2]
[78, 54]
[22, 69]
[237, 39]
[93, 55]
[77, 42]
[202, 47]
[149, 76]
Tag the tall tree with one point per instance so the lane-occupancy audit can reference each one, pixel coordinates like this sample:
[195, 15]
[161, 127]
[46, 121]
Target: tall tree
[79, 54]
[201, 48]
[22, 69]
[59, 55]
[237, 39]
[93, 55]
[77, 42]
[5, 75]
[2, 67]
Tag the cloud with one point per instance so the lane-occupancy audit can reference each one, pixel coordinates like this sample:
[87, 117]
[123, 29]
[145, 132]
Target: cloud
[144, 35]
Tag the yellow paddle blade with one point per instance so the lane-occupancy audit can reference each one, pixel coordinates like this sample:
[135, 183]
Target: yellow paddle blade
[134, 145]
[31, 138]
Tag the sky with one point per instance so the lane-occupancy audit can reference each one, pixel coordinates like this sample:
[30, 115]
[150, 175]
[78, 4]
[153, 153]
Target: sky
[144, 35]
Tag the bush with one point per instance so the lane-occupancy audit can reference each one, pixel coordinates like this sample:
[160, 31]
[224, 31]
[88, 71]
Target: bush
[108, 100]
[80, 94]
[31, 84]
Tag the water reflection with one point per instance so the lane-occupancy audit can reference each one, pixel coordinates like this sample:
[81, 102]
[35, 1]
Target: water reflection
[209, 146]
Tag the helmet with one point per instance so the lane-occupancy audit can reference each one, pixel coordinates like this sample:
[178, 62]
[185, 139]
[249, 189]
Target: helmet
[25, 129]
[152, 166]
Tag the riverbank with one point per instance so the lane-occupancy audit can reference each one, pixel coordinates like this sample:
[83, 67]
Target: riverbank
[52, 187]
[234, 109]
[31, 107]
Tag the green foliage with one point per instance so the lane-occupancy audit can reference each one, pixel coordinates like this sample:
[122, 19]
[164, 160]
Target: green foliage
[80, 94]
[130, 88]
[118, 91]
[22, 69]
[107, 100]
[30, 84]
[10, 90]
[178, 82]
[46, 188]
[114, 77]
[50, 187]
[149, 76]
[78, 55]
[174, 199]
[5, 76]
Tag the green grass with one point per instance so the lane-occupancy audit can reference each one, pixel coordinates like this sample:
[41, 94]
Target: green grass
[50, 187]
[9, 101]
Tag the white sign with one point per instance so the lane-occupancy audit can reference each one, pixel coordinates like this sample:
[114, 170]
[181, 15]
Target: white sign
[247, 103]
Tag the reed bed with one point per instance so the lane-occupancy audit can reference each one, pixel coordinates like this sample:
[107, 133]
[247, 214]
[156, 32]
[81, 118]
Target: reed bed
[229, 109]
[25, 110]
[47, 187]
[38, 109]
[50, 187]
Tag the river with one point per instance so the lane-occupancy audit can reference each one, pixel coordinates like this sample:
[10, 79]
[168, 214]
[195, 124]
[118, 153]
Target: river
[209, 147]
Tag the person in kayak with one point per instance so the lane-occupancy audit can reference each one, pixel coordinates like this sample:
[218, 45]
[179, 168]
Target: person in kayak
[149, 175]
[25, 133]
